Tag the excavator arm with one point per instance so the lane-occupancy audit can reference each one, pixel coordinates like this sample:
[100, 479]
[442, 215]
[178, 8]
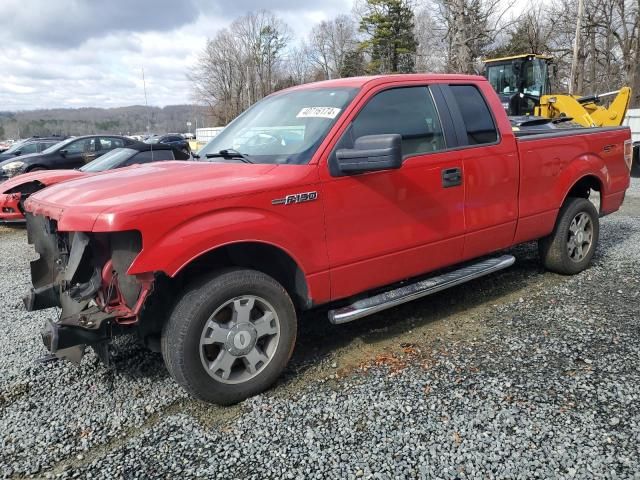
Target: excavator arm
[586, 110]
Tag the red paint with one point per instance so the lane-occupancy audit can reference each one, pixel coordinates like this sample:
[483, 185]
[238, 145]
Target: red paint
[111, 300]
[44, 177]
[364, 231]
[9, 207]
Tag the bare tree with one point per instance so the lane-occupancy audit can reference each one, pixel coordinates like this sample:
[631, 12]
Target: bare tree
[625, 29]
[241, 64]
[298, 65]
[263, 38]
[610, 50]
[431, 51]
[470, 27]
[218, 76]
[330, 42]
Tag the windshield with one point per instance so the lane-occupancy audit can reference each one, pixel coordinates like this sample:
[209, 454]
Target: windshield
[283, 128]
[503, 78]
[530, 78]
[535, 77]
[113, 159]
[152, 140]
[58, 146]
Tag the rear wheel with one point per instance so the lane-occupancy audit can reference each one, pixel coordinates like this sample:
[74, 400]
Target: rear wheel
[571, 245]
[230, 336]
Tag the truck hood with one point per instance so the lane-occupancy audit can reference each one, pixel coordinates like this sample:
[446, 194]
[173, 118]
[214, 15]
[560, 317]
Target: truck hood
[45, 177]
[151, 186]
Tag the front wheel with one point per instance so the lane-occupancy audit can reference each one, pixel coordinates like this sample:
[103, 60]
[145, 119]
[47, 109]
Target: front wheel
[230, 336]
[571, 245]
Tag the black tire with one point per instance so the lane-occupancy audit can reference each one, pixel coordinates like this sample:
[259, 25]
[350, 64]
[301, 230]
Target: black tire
[181, 334]
[554, 249]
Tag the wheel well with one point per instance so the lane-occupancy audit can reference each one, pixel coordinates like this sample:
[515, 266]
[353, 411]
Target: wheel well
[258, 256]
[27, 188]
[582, 188]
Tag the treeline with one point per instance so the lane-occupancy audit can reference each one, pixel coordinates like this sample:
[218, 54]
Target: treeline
[257, 54]
[84, 121]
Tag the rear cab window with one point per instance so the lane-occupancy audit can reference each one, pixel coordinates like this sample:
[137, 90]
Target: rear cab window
[478, 124]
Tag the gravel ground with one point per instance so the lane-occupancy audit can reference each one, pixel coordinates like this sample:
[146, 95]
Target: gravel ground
[523, 374]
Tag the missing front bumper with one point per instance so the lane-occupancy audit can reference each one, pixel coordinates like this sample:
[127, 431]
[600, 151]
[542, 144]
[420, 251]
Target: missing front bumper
[69, 337]
[84, 274]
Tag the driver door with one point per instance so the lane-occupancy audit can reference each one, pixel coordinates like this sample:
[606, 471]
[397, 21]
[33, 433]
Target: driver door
[73, 154]
[389, 225]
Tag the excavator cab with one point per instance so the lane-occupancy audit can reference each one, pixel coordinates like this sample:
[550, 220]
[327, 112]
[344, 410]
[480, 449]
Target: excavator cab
[520, 81]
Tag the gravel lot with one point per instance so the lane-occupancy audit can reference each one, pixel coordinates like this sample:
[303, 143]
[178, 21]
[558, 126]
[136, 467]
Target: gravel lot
[523, 374]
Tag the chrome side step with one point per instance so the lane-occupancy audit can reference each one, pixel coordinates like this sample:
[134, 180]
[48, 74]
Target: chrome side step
[406, 293]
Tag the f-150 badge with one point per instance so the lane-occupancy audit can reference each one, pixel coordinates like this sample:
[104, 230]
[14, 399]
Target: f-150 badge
[296, 198]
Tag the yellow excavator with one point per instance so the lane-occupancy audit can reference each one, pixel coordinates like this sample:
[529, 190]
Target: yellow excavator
[524, 86]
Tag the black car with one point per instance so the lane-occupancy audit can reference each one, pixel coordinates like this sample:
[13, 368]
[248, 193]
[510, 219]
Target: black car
[173, 139]
[134, 154]
[30, 145]
[71, 153]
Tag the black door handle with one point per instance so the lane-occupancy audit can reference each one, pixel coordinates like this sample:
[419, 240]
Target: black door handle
[451, 177]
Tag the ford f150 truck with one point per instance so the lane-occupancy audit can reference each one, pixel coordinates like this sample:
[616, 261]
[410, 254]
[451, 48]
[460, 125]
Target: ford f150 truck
[358, 194]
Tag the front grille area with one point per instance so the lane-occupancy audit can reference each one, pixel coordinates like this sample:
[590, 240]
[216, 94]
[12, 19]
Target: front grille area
[86, 275]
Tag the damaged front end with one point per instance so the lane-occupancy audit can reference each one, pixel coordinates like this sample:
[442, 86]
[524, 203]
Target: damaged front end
[85, 274]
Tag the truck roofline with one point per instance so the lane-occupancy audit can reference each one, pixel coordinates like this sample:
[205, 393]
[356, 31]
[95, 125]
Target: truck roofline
[359, 82]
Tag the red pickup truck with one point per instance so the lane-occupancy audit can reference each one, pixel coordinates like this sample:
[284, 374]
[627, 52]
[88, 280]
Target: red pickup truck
[346, 193]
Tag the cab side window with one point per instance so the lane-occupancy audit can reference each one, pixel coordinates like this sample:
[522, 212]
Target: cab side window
[408, 111]
[109, 143]
[29, 148]
[79, 146]
[476, 115]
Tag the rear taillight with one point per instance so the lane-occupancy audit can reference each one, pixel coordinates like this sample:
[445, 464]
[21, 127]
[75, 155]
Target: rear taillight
[628, 153]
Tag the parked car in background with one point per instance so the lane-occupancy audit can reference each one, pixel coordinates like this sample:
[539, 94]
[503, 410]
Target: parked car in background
[72, 153]
[5, 145]
[173, 139]
[15, 191]
[30, 145]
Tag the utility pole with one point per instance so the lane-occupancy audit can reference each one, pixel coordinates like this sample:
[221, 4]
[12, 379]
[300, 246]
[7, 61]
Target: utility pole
[146, 103]
[576, 48]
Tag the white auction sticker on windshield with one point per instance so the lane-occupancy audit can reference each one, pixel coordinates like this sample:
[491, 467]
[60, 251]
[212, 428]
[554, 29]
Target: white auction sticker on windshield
[318, 112]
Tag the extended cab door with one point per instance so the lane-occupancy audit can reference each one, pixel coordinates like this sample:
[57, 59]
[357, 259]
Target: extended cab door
[490, 167]
[389, 225]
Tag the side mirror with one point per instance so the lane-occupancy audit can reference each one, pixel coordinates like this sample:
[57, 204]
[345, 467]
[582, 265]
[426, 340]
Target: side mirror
[63, 153]
[370, 153]
[17, 152]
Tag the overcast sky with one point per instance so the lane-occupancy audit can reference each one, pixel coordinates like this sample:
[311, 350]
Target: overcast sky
[79, 53]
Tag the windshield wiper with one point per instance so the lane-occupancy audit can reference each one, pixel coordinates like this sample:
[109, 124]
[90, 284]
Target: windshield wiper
[230, 153]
